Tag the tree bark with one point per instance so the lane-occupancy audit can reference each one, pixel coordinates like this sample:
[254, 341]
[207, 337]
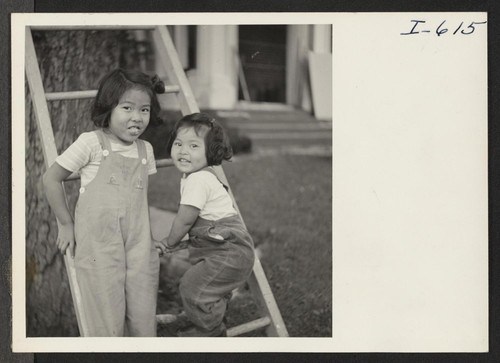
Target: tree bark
[69, 61]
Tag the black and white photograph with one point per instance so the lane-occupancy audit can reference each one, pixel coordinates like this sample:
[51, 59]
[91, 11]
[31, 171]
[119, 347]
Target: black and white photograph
[300, 182]
[129, 252]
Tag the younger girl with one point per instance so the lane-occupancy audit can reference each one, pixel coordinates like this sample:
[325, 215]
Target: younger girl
[116, 262]
[220, 248]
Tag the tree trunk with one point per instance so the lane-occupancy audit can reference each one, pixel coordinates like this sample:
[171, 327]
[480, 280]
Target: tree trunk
[69, 60]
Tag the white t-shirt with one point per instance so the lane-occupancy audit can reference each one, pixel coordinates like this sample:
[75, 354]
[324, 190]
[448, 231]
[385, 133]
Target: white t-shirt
[204, 191]
[85, 154]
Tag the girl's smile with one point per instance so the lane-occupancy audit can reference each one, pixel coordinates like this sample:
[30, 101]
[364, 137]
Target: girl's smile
[188, 151]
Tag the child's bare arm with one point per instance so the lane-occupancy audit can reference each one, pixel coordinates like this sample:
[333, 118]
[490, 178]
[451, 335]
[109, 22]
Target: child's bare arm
[184, 220]
[52, 182]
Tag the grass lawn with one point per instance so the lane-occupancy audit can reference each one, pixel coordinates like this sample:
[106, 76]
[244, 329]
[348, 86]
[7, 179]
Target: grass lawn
[286, 203]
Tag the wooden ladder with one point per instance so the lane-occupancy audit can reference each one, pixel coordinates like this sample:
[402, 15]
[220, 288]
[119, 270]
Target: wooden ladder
[270, 318]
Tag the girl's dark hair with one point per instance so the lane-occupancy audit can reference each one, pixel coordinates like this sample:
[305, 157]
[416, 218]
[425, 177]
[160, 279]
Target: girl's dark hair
[217, 145]
[112, 87]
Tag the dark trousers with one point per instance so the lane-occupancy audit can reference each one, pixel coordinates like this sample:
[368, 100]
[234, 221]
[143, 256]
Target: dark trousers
[222, 256]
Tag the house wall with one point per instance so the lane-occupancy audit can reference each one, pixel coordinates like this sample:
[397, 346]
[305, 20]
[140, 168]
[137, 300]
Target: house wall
[214, 80]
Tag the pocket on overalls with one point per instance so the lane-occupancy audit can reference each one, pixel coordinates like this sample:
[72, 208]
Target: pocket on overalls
[212, 233]
[101, 224]
[96, 232]
[219, 234]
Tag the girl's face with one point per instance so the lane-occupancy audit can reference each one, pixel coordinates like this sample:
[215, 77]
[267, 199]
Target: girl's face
[130, 117]
[188, 150]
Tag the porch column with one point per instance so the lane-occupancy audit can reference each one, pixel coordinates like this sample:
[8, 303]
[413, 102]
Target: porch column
[216, 84]
[297, 83]
[322, 38]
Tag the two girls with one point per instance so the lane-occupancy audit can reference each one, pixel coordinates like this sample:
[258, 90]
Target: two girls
[116, 261]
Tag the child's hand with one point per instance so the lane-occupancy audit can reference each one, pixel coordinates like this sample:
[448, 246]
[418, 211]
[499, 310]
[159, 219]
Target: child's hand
[180, 246]
[163, 247]
[159, 245]
[66, 238]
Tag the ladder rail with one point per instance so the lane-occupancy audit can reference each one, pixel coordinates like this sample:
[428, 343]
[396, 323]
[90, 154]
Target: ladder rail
[258, 282]
[46, 133]
[265, 300]
[77, 95]
[168, 55]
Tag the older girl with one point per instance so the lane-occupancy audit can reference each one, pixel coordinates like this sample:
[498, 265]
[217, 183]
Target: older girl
[116, 262]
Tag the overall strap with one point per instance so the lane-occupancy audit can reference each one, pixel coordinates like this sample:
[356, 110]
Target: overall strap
[211, 170]
[141, 149]
[103, 140]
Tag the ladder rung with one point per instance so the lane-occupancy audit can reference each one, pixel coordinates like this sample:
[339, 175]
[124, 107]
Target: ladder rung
[160, 163]
[166, 318]
[93, 27]
[248, 327]
[74, 95]
[231, 332]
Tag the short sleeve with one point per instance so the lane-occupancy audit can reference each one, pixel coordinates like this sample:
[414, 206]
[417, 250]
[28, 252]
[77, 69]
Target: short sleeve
[78, 154]
[195, 191]
[151, 158]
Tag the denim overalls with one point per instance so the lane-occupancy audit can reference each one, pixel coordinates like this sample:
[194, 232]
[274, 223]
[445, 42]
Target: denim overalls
[117, 266]
[219, 266]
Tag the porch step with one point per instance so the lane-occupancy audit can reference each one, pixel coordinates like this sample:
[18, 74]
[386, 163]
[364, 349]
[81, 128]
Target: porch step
[250, 126]
[286, 116]
[289, 141]
[280, 130]
[290, 135]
